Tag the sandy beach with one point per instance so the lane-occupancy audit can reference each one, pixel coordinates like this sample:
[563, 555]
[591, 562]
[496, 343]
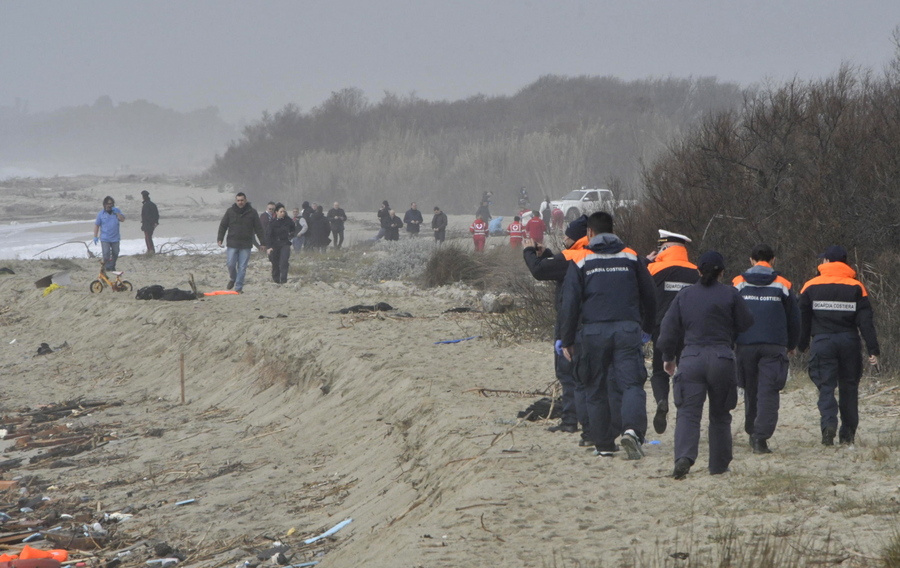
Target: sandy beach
[296, 418]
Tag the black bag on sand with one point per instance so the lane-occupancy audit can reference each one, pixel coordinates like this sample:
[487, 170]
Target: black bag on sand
[540, 410]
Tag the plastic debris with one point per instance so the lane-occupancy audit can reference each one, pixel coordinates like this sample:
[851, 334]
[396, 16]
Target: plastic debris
[186, 502]
[456, 340]
[329, 532]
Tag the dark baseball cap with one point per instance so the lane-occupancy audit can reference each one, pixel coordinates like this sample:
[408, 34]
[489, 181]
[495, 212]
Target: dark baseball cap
[711, 260]
[835, 253]
[577, 229]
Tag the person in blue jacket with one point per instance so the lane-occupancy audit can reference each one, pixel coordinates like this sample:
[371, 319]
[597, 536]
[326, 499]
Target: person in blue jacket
[763, 350]
[706, 316]
[106, 231]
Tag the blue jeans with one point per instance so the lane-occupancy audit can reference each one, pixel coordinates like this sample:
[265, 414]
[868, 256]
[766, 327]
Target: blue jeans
[110, 254]
[237, 265]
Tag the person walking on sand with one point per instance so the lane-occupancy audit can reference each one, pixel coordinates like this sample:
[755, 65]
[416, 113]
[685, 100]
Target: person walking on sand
[267, 215]
[704, 317]
[763, 350]
[834, 311]
[302, 226]
[479, 230]
[384, 215]
[671, 271]
[413, 220]
[149, 220]
[516, 232]
[241, 223]
[546, 266]
[608, 298]
[106, 232]
[279, 233]
[439, 225]
[535, 228]
[336, 219]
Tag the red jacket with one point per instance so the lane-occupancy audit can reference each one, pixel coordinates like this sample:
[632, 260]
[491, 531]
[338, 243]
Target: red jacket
[479, 227]
[535, 229]
[516, 231]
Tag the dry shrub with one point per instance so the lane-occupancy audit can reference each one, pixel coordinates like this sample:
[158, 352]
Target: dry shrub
[534, 317]
[449, 264]
[891, 553]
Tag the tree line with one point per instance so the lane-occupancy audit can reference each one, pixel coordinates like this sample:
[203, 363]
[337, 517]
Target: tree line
[552, 136]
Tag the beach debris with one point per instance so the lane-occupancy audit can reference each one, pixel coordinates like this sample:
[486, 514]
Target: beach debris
[157, 292]
[44, 349]
[456, 340]
[329, 532]
[59, 278]
[497, 303]
[51, 288]
[186, 502]
[361, 309]
[7, 270]
[460, 310]
[542, 409]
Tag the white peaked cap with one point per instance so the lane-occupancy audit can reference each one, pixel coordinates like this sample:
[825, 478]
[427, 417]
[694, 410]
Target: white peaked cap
[670, 237]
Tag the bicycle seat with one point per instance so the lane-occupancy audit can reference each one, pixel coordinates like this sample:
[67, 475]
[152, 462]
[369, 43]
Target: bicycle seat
[118, 272]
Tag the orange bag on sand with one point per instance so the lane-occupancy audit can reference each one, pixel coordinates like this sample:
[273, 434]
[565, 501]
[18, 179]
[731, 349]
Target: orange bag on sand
[221, 293]
[6, 557]
[29, 553]
[31, 563]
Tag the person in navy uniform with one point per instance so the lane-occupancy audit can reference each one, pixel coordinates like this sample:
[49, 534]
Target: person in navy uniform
[763, 350]
[608, 299]
[834, 311]
[671, 271]
[704, 317]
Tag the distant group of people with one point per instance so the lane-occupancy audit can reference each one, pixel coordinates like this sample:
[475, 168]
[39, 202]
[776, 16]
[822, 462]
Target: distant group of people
[390, 223]
[709, 338]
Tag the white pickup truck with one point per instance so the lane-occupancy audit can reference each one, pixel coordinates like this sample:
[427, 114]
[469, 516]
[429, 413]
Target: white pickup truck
[583, 201]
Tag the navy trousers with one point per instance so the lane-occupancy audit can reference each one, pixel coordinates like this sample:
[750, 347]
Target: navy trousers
[836, 363]
[610, 363]
[762, 373]
[705, 371]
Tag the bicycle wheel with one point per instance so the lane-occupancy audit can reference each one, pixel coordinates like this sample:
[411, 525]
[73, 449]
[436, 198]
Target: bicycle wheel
[125, 286]
[96, 287]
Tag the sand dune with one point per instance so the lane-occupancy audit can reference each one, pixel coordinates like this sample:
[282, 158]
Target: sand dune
[306, 420]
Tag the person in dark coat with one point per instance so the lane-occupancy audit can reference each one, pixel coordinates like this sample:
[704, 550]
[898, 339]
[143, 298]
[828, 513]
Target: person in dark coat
[413, 220]
[608, 298]
[241, 222]
[279, 233]
[267, 215]
[763, 350]
[336, 218]
[705, 317]
[384, 214]
[671, 271]
[484, 211]
[439, 225]
[319, 234]
[546, 266]
[394, 224]
[149, 220]
[834, 312]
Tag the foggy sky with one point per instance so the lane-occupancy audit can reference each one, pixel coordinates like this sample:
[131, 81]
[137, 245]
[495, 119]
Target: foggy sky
[250, 56]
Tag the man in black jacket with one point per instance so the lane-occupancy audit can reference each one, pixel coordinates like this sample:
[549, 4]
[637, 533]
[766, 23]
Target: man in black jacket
[336, 218]
[439, 225]
[149, 221]
[241, 222]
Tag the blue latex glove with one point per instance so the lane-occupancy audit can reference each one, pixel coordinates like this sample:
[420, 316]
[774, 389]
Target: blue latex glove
[96, 240]
[558, 346]
[645, 337]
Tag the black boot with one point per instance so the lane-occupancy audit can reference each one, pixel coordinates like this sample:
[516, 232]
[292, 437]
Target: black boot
[760, 446]
[682, 467]
[828, 434]
[659, 421]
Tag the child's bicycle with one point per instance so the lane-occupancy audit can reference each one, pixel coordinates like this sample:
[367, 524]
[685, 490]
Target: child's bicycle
[117, 285]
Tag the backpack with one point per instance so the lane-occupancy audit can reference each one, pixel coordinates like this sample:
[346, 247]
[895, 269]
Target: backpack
[150, 292]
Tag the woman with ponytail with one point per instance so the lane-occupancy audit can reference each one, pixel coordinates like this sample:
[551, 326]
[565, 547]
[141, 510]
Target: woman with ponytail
[705, 317]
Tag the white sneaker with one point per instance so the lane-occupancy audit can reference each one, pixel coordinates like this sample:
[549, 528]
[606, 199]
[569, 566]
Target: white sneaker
[632, 445]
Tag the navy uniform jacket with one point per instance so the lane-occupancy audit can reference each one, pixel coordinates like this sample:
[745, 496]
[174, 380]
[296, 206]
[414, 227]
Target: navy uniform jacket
[776, 316]
[703, 315]
[835, 302]
[609, 284]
